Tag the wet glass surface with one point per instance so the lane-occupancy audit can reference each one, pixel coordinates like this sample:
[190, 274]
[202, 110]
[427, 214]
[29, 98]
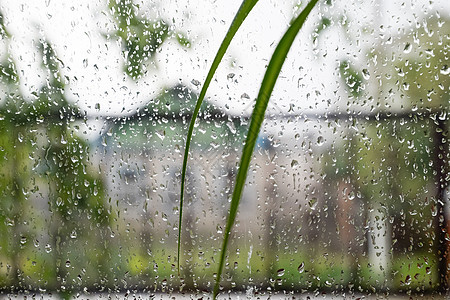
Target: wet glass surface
[348, 187]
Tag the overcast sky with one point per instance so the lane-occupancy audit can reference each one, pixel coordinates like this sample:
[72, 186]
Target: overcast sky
[309, 80]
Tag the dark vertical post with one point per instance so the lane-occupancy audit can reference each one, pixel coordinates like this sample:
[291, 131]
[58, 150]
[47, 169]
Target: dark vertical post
[441, 161]
[271, 231]
[16, 211]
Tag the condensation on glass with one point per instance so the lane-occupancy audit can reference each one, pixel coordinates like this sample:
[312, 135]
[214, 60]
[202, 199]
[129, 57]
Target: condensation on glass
[347, 191]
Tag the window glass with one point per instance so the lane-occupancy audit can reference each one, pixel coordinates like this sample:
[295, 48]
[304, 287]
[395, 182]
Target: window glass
[347, 191]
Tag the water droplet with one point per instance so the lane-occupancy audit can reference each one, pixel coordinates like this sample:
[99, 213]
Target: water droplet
[445, 70]
[366, 74]
[161, 134]
[313, 203]
[434, 210]
[10, 222]
[280, 272]
[245, 96]
[301, 268]
[85, 63]
[351, 195]
[407, 48]
[195, 82]
[320, 140]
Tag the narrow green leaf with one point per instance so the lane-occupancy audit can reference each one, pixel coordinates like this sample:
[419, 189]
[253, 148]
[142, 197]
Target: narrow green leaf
[267, 85]
[244, 10]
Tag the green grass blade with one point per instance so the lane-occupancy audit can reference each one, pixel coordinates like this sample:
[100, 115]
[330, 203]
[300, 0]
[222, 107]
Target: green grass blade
[267, 85]
[244, 10]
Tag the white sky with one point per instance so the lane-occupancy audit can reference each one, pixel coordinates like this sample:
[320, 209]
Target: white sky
[308, 79]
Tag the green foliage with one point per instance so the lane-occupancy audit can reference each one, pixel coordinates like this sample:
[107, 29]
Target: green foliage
[8, 73]
[324, 24]
[376, 176]
[353, 80]
[267, 86]
[422, 72]
[183, 40]
[244, 10]
[40, 155]
[141, 38]
[3, 32]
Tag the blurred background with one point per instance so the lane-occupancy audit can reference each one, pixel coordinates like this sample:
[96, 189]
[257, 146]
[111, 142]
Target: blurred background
[348, 189]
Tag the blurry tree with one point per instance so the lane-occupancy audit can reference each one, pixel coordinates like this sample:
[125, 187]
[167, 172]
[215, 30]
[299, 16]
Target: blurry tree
[422, 77]
[76, 193]
[398, 161]
[141, 38]
[421, 74]
[42, 158]
[15, 145]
